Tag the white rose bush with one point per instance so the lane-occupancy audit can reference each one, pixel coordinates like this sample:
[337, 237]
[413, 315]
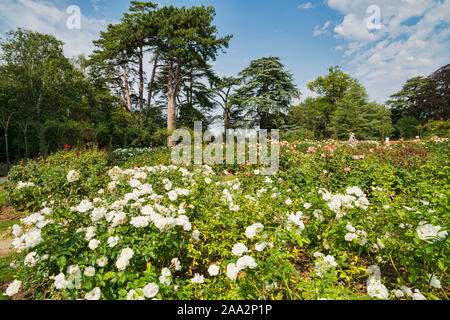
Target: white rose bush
[334, 223]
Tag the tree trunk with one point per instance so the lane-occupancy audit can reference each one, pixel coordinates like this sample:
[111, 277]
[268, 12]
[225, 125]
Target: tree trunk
[6, 126]
[7, 151]
[226, 117]
[126, 90]
[25, 130]
[171, 113]
[262, 120]
[190, 95]
[141, 81]
[152, 81]
[171, 101]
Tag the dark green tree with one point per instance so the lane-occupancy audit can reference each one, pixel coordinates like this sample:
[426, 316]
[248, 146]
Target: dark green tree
[433, 98]
[401, 103]
[355, 114]
[266, 93]
[111, 61]
[407, 127]
[140, 34]
[186, 37]
[309, 115]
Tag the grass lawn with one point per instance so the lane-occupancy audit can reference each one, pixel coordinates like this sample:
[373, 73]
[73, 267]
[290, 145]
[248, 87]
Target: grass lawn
[6, 224]
[6, 273]
[3, 194]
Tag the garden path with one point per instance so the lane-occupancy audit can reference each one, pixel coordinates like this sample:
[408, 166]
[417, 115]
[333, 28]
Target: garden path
[4, 245]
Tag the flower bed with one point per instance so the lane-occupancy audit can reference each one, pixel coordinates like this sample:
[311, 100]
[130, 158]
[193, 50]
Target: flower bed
[313, 231]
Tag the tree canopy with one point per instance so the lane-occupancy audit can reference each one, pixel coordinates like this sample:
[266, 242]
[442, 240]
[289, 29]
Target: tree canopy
[266, 93]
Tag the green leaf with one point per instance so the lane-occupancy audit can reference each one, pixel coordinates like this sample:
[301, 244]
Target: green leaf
[109, 275]
[61, 261]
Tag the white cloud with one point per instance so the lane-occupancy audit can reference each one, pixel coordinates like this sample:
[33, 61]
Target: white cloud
[306, 5]
[318, 30]
[352, 28]
[44, 17]
[384, 59]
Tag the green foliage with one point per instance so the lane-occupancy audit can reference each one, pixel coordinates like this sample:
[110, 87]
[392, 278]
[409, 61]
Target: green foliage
[6, 272]
[436, 128]
[333, 86]
[266, 93]
[222, 90]
[186, 41]
[49, 177]
[5, 225]
[351, 113]
[402, 101]
[297, 134]
[49, 98]
[310, 114]
[433, 97]
[133, 157]
[407, 127]
[422, 99]
[400, 189]
[355, 114]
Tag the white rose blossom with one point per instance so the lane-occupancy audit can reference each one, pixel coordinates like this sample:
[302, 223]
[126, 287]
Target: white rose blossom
[213, 270]
[13, 288]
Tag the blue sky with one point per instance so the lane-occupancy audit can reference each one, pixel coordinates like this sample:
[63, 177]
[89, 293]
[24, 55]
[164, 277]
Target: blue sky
[308, 36]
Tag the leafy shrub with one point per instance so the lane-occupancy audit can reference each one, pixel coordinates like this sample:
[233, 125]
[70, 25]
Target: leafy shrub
[49, 177]
[407, 127]
[336, 222]
[436, 128]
